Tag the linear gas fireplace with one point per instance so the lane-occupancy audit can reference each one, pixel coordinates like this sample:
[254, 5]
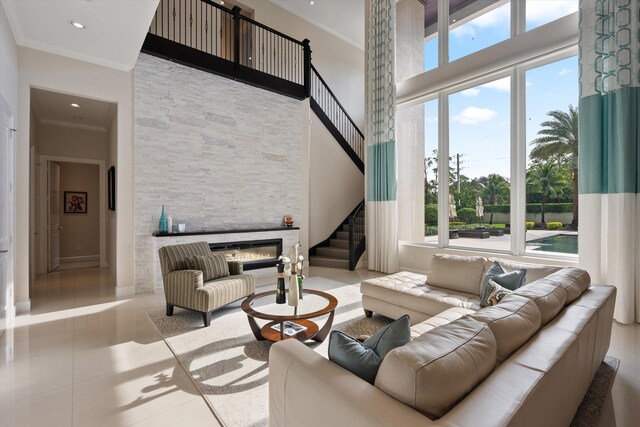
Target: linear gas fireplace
[253, 253]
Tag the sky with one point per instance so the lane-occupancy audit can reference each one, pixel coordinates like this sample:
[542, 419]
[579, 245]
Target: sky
[479, 116]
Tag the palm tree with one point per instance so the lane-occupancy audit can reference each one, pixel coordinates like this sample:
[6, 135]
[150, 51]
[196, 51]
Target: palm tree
[544, 178]
[495, 190]
[559, 139]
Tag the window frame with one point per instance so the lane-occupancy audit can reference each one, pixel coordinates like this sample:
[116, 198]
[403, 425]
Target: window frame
[548, 43]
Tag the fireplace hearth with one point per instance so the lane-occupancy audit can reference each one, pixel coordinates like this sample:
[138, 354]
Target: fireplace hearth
[253, 253]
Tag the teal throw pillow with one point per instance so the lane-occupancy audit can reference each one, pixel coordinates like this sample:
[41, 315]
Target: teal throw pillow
[492, 294]
[364, 358]
[511, 281]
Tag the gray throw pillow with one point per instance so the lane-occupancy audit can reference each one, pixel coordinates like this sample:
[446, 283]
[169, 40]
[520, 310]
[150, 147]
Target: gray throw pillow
[511, 281]
[364, 358]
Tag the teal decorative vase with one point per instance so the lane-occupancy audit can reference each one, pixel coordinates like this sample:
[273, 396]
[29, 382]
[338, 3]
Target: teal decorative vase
[163, 222]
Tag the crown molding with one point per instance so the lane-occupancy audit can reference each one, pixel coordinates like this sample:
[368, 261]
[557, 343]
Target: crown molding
[72, 125]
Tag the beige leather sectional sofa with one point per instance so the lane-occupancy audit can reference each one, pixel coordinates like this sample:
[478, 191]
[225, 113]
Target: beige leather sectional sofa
[527, 361]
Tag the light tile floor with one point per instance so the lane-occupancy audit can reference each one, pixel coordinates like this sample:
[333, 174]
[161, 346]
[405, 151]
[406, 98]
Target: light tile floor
[83, 357]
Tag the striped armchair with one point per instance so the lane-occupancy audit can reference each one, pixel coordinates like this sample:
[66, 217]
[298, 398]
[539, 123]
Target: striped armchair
[185, 288]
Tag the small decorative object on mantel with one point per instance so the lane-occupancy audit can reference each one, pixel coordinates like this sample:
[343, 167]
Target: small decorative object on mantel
[162, 226]
[281, 298]
[288, 221]
[293, 269]
[169, 224]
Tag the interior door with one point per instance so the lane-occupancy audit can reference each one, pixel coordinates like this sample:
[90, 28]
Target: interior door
[54, 216]
[6, 215]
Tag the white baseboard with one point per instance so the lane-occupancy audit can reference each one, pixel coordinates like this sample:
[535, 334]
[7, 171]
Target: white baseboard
[23, 306]
[125, 291]
[84, 258]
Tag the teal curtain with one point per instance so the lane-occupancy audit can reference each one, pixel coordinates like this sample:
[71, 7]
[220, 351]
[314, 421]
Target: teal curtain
[381, 176]
[609, 150]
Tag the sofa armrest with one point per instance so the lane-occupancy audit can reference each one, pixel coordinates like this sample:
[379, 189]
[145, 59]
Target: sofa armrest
[181, 281]
[300, 379]
[235, 267]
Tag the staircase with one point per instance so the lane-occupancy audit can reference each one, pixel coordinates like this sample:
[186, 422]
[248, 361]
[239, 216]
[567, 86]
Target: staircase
[210, 37]
[345, 246]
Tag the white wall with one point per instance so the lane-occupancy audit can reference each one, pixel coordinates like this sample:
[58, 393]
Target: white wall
[341, 64]
[80, 235]
[218, 154]
[336, 185]
[9, 92]
[56, 73]
[8, 63]
[71, 142]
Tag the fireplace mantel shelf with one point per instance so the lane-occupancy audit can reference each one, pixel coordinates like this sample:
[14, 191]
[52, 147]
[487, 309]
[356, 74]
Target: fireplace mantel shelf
[233, 231]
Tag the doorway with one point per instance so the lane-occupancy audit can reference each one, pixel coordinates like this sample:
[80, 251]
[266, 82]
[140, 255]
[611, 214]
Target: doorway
[73, 143]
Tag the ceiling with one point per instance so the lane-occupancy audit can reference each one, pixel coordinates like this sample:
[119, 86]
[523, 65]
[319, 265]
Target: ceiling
[53, 108]
[115, 29]
[342, 18]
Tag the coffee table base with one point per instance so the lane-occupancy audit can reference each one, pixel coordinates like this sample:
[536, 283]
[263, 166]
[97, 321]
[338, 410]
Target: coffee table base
[313, 331]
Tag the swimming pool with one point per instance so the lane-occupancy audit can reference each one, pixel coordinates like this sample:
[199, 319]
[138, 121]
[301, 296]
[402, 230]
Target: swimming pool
[565, 243]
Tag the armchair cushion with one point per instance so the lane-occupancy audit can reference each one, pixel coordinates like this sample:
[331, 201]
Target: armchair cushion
[213, 266]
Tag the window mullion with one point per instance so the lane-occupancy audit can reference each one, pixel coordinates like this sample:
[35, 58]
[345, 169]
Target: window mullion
[518, 160]
[518, 18]
[443, 32]
[443, 170]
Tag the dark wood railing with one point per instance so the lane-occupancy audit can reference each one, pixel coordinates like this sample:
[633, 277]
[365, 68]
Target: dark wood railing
[357, 233]
[334, 116]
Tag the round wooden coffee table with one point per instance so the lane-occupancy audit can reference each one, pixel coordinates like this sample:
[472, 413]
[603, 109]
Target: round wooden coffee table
[314, 304]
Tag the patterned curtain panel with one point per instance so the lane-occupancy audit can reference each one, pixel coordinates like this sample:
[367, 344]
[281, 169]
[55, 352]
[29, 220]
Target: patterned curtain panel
[381, 177]
[609, 151]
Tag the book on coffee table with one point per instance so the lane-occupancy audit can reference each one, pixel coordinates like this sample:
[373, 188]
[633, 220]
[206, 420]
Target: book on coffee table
[290, 328]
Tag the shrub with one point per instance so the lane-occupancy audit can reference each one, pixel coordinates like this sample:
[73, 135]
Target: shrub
[529, 224]
[431, 214]
[467, 215]
[553, 225]
[431, 230]
[533, 208]
[455, 223]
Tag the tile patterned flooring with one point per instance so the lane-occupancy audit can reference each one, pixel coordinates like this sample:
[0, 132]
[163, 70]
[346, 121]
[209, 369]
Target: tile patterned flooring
[83, 357]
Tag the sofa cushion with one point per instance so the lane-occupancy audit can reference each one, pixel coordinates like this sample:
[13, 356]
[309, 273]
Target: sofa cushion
[534, 271]
[458, 273]
[513, 322]
[439, 319]
[409, 290]
[213, 265]
[492, 294]
[364, 359]
[436, 370]
[574, 281]
[511, 280]
[548, 295]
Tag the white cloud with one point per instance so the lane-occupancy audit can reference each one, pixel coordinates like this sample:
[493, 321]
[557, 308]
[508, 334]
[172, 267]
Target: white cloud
[543, 11]
[470, 92]
[465, 30]
[432, 119]
[497, 17]
[529, 83]
[502, 85]
[474, 115]
[564, 72]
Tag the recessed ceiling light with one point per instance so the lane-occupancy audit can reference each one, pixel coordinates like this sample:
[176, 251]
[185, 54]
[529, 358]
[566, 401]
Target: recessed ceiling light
[77, 25]
[74, 105]
[312, 2]
[221, 2]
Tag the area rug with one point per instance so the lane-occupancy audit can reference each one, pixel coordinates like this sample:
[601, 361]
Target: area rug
[594, 406]
[230, 367]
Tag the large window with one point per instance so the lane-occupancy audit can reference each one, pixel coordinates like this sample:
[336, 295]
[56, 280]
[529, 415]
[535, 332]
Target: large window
[540, 12]
[475, 25]
[479, 151]
[491, 165]
[552, 158]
